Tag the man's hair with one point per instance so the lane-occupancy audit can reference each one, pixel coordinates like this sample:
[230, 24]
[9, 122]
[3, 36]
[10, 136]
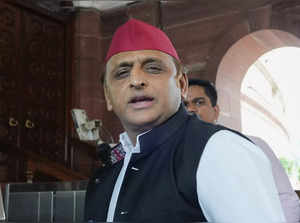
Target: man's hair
[209, 89]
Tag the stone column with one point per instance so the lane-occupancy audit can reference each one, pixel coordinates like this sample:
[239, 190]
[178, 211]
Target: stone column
[87, 62]
[88, 66]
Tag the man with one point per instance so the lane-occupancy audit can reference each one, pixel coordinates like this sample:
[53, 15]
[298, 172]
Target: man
[156, 173]
[202, 100]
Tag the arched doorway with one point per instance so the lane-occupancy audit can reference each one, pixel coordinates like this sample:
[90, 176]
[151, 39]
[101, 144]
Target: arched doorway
[257, 85]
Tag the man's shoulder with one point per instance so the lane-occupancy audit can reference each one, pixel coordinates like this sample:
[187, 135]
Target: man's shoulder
[199, 128]
[196, 126]
[198, 132]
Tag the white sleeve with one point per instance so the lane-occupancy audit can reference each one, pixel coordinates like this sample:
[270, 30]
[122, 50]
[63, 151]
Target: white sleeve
[235, 182]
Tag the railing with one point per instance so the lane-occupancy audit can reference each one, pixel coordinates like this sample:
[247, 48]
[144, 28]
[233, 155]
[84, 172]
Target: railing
[45, 202]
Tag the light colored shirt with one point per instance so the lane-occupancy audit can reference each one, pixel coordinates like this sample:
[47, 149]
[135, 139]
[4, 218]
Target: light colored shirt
[129, 150]
[289, 199]
[238, 184]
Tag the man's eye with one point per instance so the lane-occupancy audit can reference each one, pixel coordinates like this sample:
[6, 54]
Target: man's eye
[152, 68]
[199, 103]
[122, 73]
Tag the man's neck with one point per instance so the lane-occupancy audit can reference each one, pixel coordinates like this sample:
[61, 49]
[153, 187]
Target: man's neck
[132, 138]
[134, 131]
[133, 135]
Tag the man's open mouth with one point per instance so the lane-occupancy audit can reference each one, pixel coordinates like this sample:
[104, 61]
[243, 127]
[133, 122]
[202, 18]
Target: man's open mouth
[141, 99]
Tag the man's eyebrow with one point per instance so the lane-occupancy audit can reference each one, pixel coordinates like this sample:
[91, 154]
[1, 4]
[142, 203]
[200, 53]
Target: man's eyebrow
[125, 64]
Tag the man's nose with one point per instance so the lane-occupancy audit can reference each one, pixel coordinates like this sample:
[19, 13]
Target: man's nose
[137, 78]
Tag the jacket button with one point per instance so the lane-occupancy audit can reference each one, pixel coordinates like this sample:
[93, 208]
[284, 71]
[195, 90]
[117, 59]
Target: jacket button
[134, 168]
[97, 180]
[123, 212]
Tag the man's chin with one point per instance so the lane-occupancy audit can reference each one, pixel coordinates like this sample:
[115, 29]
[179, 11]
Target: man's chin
[142, 123]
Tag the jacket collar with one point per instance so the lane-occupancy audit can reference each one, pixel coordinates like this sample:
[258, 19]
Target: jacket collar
[154, 138]
[160, 133]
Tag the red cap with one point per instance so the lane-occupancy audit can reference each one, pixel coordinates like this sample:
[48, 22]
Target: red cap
[137, 35]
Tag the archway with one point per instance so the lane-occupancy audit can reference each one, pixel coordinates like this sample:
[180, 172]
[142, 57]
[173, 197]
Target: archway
[257, 93]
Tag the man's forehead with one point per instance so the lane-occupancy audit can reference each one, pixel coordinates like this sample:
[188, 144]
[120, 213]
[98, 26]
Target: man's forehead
[196, 88]
[138, 56]
[196, 91]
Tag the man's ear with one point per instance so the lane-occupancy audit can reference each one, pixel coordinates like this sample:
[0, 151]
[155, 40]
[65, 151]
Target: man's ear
[183, 84]
[107, 98]
[217, 111]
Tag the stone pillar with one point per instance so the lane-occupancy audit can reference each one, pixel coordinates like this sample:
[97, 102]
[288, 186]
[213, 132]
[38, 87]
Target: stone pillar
[87, 61]
[88, 66]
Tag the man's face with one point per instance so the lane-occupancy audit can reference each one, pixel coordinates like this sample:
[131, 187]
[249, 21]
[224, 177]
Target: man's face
[143, 88]
[198, 102]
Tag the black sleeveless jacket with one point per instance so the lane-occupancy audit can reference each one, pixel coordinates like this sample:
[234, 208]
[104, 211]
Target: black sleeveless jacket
[160, 182]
